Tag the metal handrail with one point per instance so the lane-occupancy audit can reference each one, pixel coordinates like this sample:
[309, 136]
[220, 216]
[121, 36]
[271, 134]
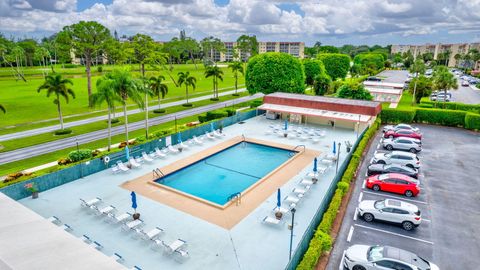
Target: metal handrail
[244, 139]
[237, 196]
[300, 145]
[157, 172]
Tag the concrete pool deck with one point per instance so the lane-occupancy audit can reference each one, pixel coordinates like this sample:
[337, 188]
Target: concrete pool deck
[247, 245]
[232, 213]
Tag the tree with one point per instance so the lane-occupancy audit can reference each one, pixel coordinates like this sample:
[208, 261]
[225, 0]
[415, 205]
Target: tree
[236, 68]
[321, 84]
[274, 72]
[457, 58]
[407, 59]
[417, 68]
[126, 88]
[216, 73]
[106, 94]
[337, 65]
[368, 63]
[2, 108]
[87, 39]
[143, 48]
[248, 46]
[58, 86]
[312, 68]
[444, 80]
[187, 80]
[354, 90]
[328, 49]
[159, 89]
[211, 46]
[421, 87]
[29, 46]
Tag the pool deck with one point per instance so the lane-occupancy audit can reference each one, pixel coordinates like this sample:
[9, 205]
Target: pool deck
[248, 245]
[232, 213]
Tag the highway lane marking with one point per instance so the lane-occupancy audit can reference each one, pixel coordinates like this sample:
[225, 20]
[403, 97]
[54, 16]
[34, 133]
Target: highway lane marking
[393, 197]
[360, 197]
[396, 234]
[356, 214]
[350, 233]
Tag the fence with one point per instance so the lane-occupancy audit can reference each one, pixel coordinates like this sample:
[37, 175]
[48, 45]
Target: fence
[307, 236]
[45, 182]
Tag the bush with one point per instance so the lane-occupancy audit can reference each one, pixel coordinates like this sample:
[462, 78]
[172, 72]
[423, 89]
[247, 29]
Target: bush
[202, 118]
[100, 69]
[231, 112]
[62, 132]
[187, 105]
[12, 177]
[331, 213]
[159, 110]
[113, 121]
[354, 90]
[69, 66]
[449, 118]
[64, 161]
[141, 139]
[423, 105]
[343, 186]
[274, 72]
[81, 154]
[161, 133]
[452, 105]
[336, 65]
[320, 243]
[321, 84]
[393, 116]
[312, 68]
[256, 103]
[211, 115]
[472, 121]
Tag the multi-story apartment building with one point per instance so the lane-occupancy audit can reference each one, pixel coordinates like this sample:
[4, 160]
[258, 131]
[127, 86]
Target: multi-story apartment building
[231, 52]
[437, 49]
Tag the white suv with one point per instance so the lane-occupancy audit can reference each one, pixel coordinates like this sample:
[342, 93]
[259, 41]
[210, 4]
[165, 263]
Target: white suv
[397, 157]
[392, 211]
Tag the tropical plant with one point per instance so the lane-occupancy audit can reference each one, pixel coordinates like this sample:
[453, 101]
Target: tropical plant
[248, 46]
[187, 80]
[417, 68]
[444, 80]
[158, 88]
[321, 84]
[354, 90]
[236, 68]
[58, 86]
[106, 94]
[216, 73]
[420, 87]
[337, 65]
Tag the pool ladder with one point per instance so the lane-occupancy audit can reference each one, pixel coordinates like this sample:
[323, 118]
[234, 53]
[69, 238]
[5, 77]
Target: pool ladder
[295, 148]
[237, 197]
[156, 172]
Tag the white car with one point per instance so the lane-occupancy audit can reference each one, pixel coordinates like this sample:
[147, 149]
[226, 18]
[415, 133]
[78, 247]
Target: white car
[403, 143]
[392, 211]
[363, 257]
[465, 83]
[400, 126]
[397, 157]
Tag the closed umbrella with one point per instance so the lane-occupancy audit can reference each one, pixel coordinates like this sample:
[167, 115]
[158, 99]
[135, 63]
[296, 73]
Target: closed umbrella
[286, 124]
[127, 152]
[134, 201]
[334, 147]
[279, 202]
[315, 165]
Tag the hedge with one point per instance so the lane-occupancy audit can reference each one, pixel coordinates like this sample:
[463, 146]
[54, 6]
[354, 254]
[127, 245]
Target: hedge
[397, 116]
[81, 154]
[472, 121]
[451, 105]
[449, 118]
[321, 241]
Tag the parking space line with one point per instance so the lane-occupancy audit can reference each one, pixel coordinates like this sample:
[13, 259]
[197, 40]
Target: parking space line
[363, 185]
[393, 197]
[397, 234]
[360, 197]
[355, 215]
[340, 267]
[378, 146]
[350, 233]
[426, 220]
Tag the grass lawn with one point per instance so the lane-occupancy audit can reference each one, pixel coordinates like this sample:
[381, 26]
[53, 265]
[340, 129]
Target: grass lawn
[24, 105]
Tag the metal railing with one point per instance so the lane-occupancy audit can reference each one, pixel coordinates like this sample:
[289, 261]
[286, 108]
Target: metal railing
[237, 196]
[294, 150]
[157, 172]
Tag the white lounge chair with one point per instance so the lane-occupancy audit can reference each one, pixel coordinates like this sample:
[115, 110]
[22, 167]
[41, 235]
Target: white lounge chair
[86, 239]
[197, 140]
[159, 153]
[146, 157]
[301, 191]
[175, 245]
[281, 210]
[307, 182]
[122, 166]
[67, 227]
[315, 139]
[96, 245]
[217, 133]
[117, 257]
[55, 220]
[122, 218]
[184, 146]
[180, 255]
[271, 220]
[209, 136]
[327, 162]
[91, 202]
[172, 150]
[292, 199]
[106, 210]
[132, 224]
[115, 169]
[133, 162]
[152, 234]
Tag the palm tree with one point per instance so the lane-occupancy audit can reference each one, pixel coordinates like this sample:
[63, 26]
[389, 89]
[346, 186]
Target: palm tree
[216, 73]
[159, 89]
[187, 80]
[105, 93]
[417, 68]
[236, 67]
[57, 85]
[3, 109]
[143, 88]
[126, 88]
[444, 80]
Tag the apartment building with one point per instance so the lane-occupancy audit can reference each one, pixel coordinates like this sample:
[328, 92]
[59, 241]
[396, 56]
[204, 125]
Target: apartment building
[231, 53]
[437, 49]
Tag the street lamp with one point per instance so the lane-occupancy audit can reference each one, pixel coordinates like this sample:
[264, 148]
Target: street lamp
[78, 153]
[293, 210]
[338, 156]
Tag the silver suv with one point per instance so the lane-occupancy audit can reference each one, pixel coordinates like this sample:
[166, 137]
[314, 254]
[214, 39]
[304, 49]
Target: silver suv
[392, 211]
[397, 157]
[403, 143]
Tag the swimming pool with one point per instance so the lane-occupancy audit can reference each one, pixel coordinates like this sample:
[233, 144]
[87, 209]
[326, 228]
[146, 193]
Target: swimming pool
[232, 170]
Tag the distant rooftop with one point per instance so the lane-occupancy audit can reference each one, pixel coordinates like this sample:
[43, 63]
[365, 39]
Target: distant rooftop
[343, 101]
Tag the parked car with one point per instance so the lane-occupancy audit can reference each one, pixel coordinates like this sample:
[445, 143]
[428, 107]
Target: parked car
[440, 97]
[392, 211]
[403, 143]
[465, 83]
[394, 183]
[374, 169]
[363, 257]
[400, 126]
[402, 133]
[442, 92]
[397, 157]
[373, 79]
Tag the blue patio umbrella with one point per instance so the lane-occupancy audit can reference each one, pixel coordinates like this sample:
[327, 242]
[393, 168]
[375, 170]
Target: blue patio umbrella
[127, 152]
[334, 147]
[279, 202]
[134, 201]
[315, 165]
[286, 124]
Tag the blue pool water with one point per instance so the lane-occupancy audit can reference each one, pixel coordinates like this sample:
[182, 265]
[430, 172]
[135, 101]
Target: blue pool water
[232, 170]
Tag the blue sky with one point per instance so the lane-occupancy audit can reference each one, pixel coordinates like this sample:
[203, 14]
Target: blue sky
[334, 22]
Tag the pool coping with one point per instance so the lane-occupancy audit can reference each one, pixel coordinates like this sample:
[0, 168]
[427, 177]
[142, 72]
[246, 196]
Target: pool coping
[222, 216]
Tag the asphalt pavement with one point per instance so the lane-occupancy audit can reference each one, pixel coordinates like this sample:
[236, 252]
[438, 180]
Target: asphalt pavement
[44, 148]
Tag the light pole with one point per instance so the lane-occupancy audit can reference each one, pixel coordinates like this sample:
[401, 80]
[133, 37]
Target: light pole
[175, 123]
[291, 232]
[338, 157]
[78, 154]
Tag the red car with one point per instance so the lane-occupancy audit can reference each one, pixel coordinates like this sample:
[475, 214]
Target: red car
[395, 183]
[402, 133]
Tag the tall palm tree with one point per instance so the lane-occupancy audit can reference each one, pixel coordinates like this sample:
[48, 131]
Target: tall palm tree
[126, 88]
[159, 89]
[417, 68]
[444, 80]
[236, 67]
[106, 94]
[55, 84]
[216, 73]
[143, 88]
[3, 109]
[187, 80]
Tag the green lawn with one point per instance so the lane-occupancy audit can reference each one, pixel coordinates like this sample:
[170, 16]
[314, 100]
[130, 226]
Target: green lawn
[24, 105]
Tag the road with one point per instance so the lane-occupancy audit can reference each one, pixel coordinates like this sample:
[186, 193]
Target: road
[32, 132]
[465, 94]
[44, 148]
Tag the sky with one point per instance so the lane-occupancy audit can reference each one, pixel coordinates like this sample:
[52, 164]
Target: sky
[332, 22]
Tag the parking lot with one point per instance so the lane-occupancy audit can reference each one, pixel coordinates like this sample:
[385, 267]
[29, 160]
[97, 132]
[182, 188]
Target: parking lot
[449, 201]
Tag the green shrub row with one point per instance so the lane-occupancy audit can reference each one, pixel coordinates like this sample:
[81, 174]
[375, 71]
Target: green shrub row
[472, 121]
[397, 116]
[81, 154]
[321, 241]
[451, 105]
[217, 114]
[256, 103]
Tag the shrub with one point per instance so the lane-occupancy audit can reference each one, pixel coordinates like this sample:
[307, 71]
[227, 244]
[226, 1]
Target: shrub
[81, 154]
[320, 243]
[161, 133]
[62, 132]
[256, 103]
[395, 116]
[312, 68]
[452, 105]
[472, 121]
[231, 112]
[141, 139]
[159, 111]
[64, 161]
[331, 213]
[423, 105]
[123, 144]
[100, 69]
[69, 66]
[202, 118]
[354, 90]
[449, 118]
[211, 115]
[187, 105]
[336, 65]
[114, 121]
[321, 84]
[13, 176]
